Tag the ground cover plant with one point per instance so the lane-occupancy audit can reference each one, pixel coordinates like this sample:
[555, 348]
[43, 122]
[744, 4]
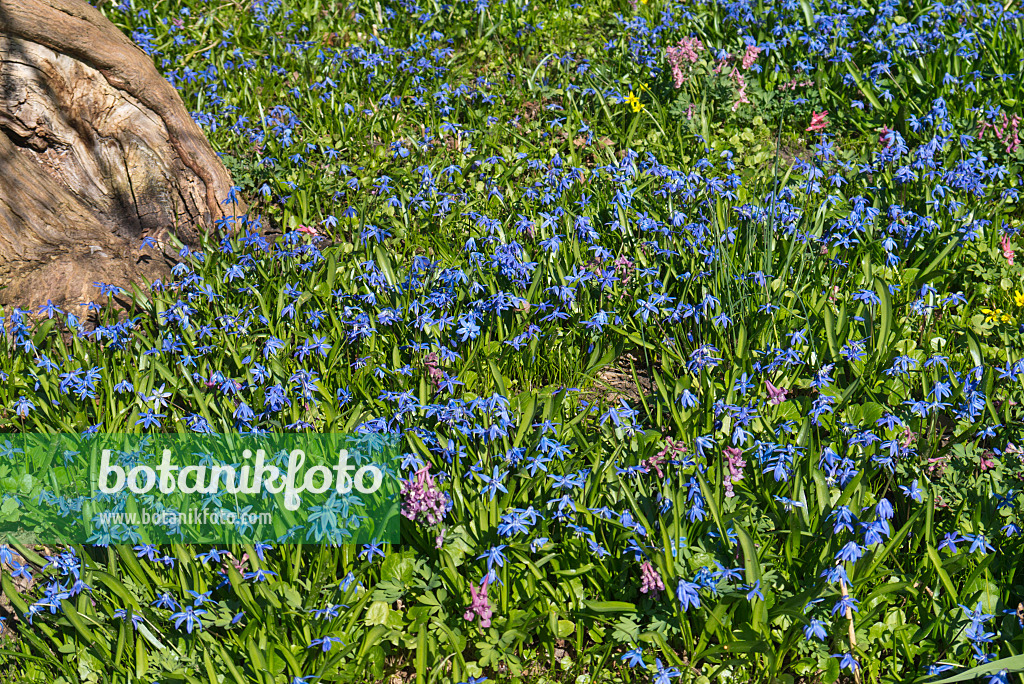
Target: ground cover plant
[699, 324]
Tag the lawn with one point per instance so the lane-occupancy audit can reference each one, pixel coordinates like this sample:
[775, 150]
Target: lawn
[698, 326]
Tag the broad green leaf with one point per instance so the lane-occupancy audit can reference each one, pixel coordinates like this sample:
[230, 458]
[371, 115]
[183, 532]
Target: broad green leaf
[1011, 665]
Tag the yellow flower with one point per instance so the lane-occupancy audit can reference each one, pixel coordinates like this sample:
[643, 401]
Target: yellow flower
[1018, 298]
[634, 102]
[994, 316]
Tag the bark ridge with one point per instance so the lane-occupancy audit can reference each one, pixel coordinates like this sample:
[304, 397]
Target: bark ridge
[97, 151]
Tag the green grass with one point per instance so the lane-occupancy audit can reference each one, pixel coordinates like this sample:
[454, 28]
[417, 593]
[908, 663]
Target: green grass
[822, 398]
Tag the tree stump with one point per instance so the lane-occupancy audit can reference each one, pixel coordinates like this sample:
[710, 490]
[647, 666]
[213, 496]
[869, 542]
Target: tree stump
[97, 151]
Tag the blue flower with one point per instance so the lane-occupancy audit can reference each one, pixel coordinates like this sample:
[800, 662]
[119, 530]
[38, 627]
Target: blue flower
[634, 657]
[664, 675]
[372, 549]
[816, 629]
[325, 643]
[190, 616]
[847, 661]
[687, 594]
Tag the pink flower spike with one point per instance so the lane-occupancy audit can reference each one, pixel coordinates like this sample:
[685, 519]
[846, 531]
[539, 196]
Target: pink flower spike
[818, 122]
[479, 605]
[750, 56]
[776, 395]
[422, 500]
[650, 580]
[1007, 246]
[681, 56]
[736, 464]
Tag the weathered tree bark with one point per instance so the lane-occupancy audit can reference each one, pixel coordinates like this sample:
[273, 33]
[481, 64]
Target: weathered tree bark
[97, 151]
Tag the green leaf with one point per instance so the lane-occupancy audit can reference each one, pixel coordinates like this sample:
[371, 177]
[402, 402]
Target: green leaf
[398, 567]
[808, 13]
[12, 594]
[1011, 664]
[144, 631]
[141, 657]
[753, 573]
[885, 319]
[830, 332]
[527, 407]
[499, 380]
[929, 271]
[117, 587]
[289, 657]
[377, 613]
[255, 655]
[933, 555]
[76, 621]
[712, 502]
[610, 606]
[974, 346]
[634, 338]
[211, 671]
[750, 562]
[896, 540]
[915, 73]
[28, 554]
[384, 262]
[851, 67]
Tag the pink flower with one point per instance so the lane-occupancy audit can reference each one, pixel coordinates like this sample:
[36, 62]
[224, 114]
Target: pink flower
[686, 51]
[886, 137]
[736, 464]
[985, 462]
[741, 92]
[308, 230]
[818, 122]
[650, 580]
[237, 564]
[654, 463]
[750, 56]
[623, 268]
[1007, 249]
[937, 466]
[776, 395]
[421, 499]
[1006, 131]
[434, 372]
[479, 606]
[672, 450]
